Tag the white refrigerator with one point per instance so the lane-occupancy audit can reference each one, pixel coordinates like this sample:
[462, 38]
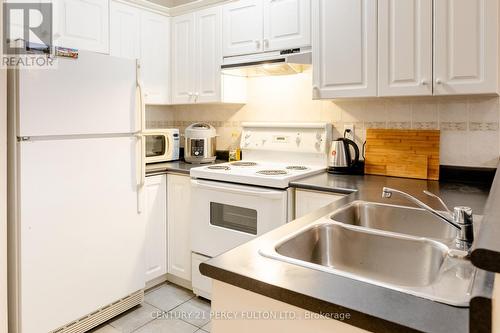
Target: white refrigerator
[76, 172]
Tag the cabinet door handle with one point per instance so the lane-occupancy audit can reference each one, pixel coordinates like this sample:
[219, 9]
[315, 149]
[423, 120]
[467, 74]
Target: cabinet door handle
[438, 81]
[423, 82]
[266, 43]
[257, 44]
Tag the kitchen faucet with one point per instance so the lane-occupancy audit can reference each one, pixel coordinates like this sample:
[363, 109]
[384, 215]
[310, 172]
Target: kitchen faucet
[461, 218]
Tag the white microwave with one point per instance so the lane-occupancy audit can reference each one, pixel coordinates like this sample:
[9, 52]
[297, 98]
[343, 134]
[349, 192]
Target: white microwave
[162, 145]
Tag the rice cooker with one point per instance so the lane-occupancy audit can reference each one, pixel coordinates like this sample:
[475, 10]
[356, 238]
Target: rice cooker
[200, 145]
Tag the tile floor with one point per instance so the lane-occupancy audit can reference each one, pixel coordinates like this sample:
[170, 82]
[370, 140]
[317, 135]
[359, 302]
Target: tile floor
[167, 308]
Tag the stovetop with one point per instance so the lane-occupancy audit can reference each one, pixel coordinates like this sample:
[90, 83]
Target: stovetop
[276, 175]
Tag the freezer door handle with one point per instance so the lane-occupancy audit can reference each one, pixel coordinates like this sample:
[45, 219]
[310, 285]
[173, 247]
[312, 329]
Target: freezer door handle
[142, 108]
[264, 194]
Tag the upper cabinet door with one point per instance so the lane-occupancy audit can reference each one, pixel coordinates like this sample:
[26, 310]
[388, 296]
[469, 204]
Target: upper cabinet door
[405, 47]
[183, 42]
[344, 48]
[82, 24]
[125, 27]
[155, 57]
[243, 28]
[287, 24]
[208, 55]
[465, 46]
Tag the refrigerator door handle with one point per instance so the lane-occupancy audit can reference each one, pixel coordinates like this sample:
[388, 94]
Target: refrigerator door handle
[141, 172]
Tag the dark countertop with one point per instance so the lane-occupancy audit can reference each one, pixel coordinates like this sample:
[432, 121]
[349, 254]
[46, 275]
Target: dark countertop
[180, 166]
[372, 307]
[453, 193]
[486, 249]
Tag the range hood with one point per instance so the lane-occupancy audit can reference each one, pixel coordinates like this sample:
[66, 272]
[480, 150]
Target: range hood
[286, 62]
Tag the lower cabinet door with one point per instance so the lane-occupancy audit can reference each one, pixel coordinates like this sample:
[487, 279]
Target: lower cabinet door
[156, 227]
[179, 223]
[307, 201]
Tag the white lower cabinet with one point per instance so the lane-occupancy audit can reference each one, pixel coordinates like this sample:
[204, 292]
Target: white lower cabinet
[156, 227]
[307, 201]
[179, 226]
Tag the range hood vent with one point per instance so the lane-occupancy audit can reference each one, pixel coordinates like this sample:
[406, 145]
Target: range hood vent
[287, 62]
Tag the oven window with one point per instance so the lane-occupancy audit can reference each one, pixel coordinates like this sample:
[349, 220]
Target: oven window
[155, 145]
[234, 218]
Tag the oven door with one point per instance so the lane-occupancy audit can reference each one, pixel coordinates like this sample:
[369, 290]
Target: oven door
[226, 215]
[158, 147]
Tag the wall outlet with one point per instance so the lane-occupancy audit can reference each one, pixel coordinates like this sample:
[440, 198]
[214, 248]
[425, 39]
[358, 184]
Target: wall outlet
[349, 131]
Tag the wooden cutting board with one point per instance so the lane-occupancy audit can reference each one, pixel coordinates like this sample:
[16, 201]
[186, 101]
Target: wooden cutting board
[403, 153]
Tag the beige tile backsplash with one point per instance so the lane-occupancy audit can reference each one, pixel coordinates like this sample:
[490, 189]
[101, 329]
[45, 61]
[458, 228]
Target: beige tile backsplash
[469, 125]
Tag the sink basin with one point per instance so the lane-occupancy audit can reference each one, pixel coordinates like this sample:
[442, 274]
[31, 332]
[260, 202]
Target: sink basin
[396, 260]
[399, 248]
[403, 220]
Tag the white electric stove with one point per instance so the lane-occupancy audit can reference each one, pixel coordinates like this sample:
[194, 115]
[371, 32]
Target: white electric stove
[232, 203]
[275, 175]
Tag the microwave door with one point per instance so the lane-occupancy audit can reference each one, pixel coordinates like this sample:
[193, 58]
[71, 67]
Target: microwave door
[155, 147]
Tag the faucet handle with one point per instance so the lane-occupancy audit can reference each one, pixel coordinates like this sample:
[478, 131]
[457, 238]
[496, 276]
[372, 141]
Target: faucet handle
[432, 195]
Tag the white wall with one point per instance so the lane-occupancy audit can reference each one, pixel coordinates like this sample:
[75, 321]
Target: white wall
[3, 193]
[3, 202]
[469, 125]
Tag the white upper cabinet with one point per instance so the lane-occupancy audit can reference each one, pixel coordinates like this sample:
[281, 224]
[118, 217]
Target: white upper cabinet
[208, 56]
[82, 24]
[287, 24]
[183, 44]
[125, 31]
[140, 34]
[344, 48]
[465, 46]
[243, 27]
[155, 57]
[197, 60]
[405, 47]
[255, 26]
[155, 243]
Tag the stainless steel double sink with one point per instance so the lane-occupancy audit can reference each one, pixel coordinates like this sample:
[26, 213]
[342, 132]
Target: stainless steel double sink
[401, 248]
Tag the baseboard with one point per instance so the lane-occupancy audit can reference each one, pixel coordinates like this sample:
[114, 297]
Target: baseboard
[180, 282]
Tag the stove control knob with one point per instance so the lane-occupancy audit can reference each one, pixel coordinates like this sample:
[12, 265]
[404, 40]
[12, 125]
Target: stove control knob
[298, 139]
[248, 135]
[264, 141]
[247, 143]
[319, 137]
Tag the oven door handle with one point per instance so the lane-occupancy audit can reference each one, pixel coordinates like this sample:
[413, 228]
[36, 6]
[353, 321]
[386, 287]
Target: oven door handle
[265, 194]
